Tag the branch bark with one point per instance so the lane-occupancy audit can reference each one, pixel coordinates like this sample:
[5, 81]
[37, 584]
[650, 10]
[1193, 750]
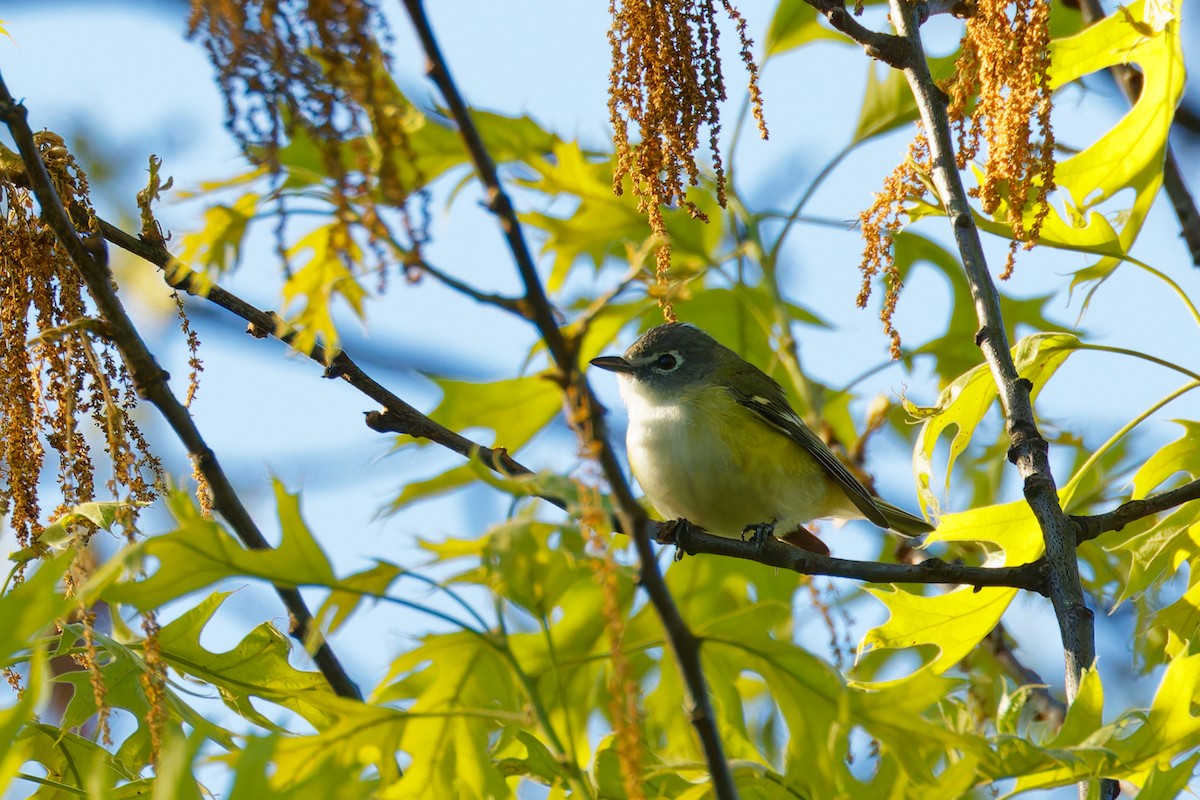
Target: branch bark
[586, 414]
[150, 381]
[1028, 451]
[1092, 526]
[774, 553]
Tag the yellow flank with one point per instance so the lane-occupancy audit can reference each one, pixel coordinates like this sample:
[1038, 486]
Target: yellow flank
[722, 467]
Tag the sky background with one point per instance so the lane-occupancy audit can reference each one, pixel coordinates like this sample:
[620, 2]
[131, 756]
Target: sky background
[119, 81]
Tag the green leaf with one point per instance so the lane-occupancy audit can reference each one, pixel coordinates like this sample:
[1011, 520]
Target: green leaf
[602, 225]
[515, 409]
[14, 718]
[1181, 455]
[1169, 783]
[954, 622]
[962, 405]
[32, 607]
[1148, 739]
[217, 245]
[72, 761]
[461, 681]
[314, 287]
[258, 667]
[175, 777]
[353, 589]
[795, 24]
[952, 359]
[1127, 156]
[62, 533]
[122, 668]
[523, 564]
[887, 103]
[1158, 552]
[1085, 715]
[1181, 621]
[199, 552]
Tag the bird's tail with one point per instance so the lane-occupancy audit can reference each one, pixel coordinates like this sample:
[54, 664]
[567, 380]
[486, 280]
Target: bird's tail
[901, 521]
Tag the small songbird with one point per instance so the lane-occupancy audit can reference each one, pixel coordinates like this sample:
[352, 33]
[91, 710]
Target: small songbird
[713, 440]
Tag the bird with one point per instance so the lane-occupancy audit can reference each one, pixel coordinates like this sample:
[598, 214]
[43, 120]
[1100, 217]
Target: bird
[713, 440]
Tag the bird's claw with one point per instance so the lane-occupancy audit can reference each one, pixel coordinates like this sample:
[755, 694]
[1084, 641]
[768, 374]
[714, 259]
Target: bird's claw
[759, 533]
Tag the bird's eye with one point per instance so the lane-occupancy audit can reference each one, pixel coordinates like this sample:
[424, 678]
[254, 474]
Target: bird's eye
[666, 362]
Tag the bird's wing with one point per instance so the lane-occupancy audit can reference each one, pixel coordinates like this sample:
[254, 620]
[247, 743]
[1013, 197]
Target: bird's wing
[778, 414]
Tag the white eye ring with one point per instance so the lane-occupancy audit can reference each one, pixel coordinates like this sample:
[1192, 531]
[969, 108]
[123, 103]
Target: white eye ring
[667, 362]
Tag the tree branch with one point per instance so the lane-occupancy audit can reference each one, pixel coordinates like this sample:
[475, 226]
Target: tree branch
[1092, 526]
[774, 553]
[513, 305]
[891, 50]
[150, 382]
[1028, 450]
[585, 413]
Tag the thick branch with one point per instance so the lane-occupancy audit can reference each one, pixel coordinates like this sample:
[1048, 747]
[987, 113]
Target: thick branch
[1090, 527]
[1028, 450]
[586, 414]
[1129, 81]
[150, 381]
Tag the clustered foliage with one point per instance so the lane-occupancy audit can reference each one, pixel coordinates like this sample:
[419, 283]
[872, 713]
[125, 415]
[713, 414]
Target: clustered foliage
[542, 664]
[666, 77]
[316, 74]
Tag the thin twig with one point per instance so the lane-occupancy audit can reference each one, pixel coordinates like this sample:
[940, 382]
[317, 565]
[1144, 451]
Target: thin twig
[1092, 526]
[891, 50]
[1028, 449]
[587, 413]
[150, 382]
[512, 305]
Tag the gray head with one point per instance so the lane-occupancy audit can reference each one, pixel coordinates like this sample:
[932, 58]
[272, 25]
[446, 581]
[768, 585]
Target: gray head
[670, 358]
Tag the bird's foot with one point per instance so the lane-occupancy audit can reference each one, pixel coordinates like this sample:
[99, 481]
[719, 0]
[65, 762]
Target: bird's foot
[760, 533]
[675, 532]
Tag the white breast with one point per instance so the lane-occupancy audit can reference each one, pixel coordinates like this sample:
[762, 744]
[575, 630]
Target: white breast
[685, 453]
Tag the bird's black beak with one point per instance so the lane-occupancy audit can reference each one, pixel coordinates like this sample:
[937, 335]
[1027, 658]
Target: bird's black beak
[613, 364]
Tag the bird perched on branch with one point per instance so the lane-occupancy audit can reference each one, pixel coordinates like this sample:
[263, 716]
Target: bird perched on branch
[713, 440]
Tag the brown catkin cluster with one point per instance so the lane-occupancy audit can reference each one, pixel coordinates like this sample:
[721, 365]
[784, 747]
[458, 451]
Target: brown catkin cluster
[63, 387]
[154, 683]
[1005, 63]
[316, 69]
[626, 716]
[1004, 66]
[61, 378]
[666, 78]
[881, 222]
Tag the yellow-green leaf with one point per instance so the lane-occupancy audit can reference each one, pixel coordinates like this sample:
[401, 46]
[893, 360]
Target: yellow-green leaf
[962, 405]
[954, 622]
